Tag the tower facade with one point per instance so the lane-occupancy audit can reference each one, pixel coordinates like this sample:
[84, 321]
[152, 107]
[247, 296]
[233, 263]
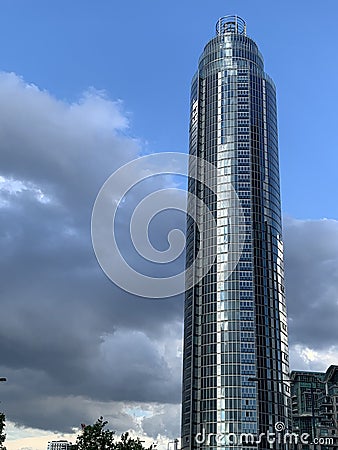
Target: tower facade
[235, 369]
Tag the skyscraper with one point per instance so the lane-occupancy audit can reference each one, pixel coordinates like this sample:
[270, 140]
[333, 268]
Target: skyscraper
[235, 369]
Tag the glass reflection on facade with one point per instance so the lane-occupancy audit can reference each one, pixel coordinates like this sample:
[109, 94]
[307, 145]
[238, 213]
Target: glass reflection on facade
[235, 367]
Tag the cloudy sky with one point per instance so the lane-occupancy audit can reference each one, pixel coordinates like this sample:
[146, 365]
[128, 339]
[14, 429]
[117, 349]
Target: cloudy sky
[85, 88]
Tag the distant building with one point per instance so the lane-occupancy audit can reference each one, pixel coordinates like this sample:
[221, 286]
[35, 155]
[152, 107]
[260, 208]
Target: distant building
[59, 445]
[315, 407]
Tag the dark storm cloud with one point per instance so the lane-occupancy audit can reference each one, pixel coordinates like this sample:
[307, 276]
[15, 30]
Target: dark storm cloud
[311, 254]
[72, 344]
[69, 338]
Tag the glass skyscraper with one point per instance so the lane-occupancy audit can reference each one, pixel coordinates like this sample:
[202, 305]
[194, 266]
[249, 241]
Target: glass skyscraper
[235, 369]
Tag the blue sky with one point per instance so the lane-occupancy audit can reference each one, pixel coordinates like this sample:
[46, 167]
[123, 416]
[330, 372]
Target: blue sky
[145, 53]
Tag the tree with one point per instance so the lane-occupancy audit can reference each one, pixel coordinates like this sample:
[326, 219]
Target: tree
[95, 437]
[128, 443]
[2, 428]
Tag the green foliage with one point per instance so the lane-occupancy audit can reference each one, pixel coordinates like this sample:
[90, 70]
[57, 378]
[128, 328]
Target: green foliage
[127, 443]
[96, 437]
[2, 428]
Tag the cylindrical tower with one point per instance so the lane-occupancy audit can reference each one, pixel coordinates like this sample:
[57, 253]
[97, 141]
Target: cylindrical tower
[235, 369]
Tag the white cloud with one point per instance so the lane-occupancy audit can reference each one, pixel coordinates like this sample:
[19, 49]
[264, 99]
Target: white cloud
[305, 358]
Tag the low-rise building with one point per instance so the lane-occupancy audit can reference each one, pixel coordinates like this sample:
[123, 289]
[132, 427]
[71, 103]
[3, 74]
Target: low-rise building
[59, 445]
[314, 398]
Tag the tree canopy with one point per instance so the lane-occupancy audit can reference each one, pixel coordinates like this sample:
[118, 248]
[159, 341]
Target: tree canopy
[96, 437]
[2, 428]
